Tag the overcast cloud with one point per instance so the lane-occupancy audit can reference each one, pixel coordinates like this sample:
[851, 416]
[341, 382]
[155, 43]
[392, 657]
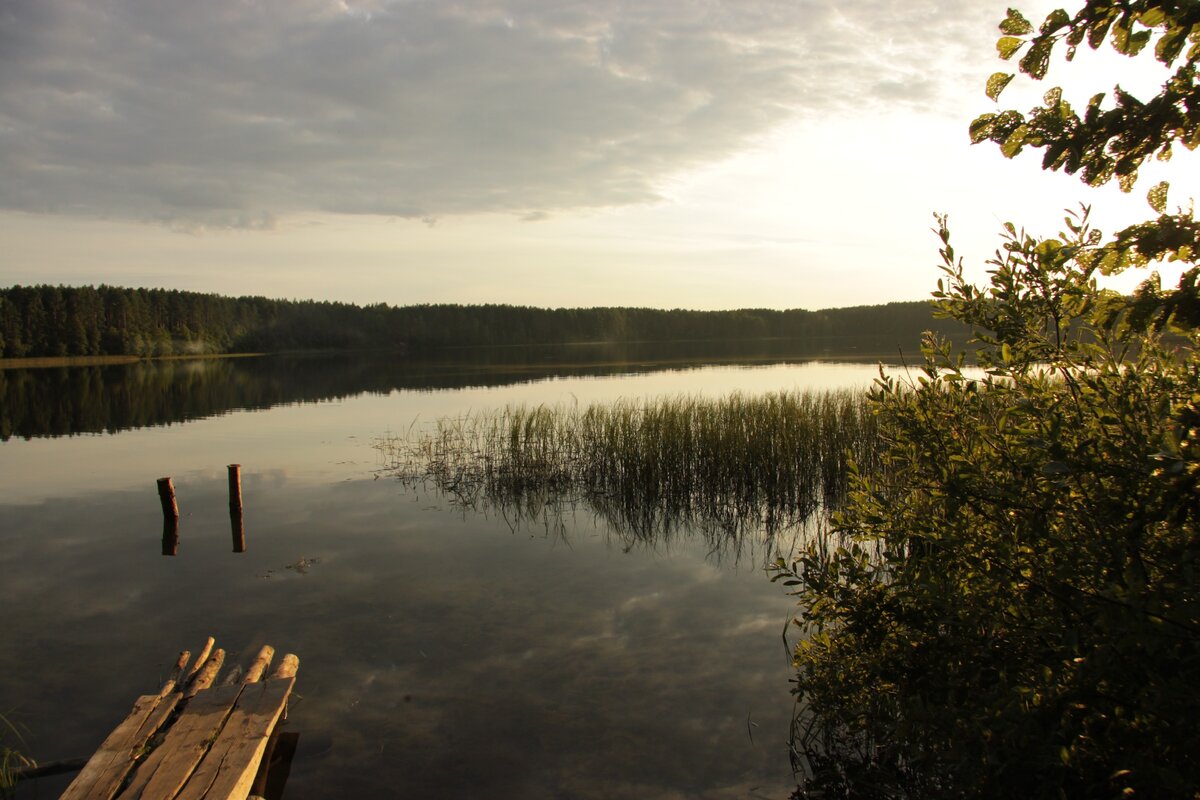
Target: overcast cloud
[237, 113]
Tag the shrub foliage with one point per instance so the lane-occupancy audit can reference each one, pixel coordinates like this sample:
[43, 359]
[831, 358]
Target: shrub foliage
[1011, 607]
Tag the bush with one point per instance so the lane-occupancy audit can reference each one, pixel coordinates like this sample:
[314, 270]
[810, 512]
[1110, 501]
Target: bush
[1011, 605]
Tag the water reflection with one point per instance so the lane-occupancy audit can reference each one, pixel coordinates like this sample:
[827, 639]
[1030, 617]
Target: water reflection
[446, 654]
[170, 536]
[443, 656]
[238, 526]
[76, 400]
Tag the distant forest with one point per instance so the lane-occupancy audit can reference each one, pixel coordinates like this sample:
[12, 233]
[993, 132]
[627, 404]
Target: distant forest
[39, 321]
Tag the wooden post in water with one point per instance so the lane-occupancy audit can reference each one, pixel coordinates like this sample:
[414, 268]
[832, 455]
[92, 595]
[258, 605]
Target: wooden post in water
[166, 496]
[235, 487]
[236, 523]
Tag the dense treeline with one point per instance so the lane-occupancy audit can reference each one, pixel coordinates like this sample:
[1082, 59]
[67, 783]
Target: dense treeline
[65, 401]
[38, 321]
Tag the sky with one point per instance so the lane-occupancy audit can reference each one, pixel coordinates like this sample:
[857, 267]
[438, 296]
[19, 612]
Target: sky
[705, 154]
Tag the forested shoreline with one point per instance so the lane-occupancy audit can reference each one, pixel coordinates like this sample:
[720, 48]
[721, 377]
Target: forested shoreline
[58, 321]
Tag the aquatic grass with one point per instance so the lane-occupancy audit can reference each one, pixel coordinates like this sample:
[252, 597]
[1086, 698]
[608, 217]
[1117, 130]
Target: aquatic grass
[721, 465]
[12, 761]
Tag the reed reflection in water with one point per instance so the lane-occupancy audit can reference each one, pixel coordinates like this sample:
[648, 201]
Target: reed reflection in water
[723, 468]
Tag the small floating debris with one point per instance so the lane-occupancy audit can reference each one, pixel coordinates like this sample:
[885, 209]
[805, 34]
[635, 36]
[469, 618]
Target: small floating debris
[300, 567]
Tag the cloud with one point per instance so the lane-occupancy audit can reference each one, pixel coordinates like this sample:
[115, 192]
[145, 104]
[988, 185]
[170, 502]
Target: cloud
[232, 113]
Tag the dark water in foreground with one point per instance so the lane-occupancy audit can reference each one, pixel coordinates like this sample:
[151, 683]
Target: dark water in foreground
[443, 653]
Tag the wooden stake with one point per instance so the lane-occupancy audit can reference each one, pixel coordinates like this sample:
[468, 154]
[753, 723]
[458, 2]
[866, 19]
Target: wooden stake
[235, 488]
[176, 679]
[261, 662]
[200, 659]
[207, 674]
[166, 496]
[236, 523]
[287, 667]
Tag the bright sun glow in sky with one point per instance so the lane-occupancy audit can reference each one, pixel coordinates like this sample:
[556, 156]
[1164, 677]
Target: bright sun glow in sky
[746, 153]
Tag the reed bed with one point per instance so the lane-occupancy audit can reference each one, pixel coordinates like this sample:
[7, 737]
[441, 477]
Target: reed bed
[650, 467]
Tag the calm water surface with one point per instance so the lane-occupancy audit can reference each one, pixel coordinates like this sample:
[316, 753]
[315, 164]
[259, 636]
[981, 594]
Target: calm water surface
[443, 653]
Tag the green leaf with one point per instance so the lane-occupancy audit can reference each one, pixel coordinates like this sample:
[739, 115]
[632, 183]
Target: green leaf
[1137, 41]
[1016, 24]
[1037, 60]
[1120, 37]
[982, 127]
[1098, 30]
[1170, 45]
[1006, 46]
[1054, 20]
[996, 84]
[1126, 42]
[1152, 17]
[1012, 145]
[1157, 197]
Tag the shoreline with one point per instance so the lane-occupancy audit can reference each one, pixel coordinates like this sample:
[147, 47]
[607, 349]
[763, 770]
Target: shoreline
[49, 362]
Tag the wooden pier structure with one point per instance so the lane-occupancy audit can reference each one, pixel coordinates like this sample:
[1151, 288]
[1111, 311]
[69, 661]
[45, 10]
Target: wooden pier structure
[196, 738]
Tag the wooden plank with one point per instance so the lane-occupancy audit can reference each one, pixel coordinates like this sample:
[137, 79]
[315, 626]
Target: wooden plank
[168, 768]
[228, 770]
[276, 766]
[101, 777]
[258, 786]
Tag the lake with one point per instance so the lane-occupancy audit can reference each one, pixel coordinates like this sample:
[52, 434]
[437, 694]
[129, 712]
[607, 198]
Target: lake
[445, 651]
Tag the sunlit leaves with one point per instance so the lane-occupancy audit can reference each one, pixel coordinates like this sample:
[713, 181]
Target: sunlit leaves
[1028, 539]
[1007, 45]
[1125, 41]
[1055, 20]
[1152, 17]
[1035, 62]
[1157, 197]
[1107, 142]
[981, 128]
[1171, 44]
[1016, 24]
[1015, 140]
[996, 84]
[1033, 599]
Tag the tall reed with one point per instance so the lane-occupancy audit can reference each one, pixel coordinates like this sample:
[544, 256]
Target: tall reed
[649, 467]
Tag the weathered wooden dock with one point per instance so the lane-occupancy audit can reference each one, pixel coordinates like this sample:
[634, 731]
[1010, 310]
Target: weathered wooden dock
[197, 737]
